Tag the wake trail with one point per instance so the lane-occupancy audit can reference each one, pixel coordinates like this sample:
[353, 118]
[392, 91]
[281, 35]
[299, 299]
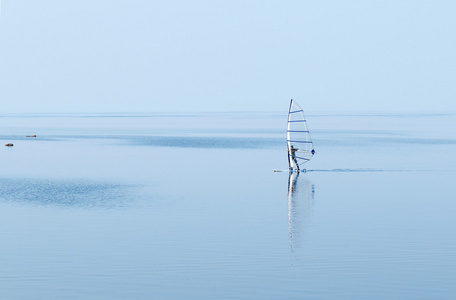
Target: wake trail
[354, 170]
[351, 170]
[374, 170]
[345, 170]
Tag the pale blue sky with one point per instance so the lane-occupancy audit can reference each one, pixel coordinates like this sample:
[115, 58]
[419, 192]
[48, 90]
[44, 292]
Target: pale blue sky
[162, 56]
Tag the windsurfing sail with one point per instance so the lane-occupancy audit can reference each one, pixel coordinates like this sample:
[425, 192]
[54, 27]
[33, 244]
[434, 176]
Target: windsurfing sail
[300, 146]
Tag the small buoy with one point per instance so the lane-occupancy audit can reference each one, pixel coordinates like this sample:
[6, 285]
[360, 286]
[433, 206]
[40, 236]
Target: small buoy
[9, 145]
[31, 135]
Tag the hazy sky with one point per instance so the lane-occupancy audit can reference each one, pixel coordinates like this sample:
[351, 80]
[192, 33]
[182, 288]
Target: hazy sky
[212, 55]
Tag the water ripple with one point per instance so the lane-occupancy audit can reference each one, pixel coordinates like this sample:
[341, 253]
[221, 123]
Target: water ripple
[66, 193]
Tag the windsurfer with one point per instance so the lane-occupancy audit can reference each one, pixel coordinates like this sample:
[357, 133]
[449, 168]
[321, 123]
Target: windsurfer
[293, 155]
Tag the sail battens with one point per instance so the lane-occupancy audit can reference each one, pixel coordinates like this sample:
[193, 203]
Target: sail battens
[297, 130]
[296, 120]
[305, 142]
[300, 157]
[306, 159]
[296, 111]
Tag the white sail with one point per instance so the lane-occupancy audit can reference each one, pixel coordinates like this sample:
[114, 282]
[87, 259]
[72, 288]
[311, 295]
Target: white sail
[300, 146]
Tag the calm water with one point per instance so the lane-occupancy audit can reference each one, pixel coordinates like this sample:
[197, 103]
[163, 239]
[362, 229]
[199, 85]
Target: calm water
[181, 206]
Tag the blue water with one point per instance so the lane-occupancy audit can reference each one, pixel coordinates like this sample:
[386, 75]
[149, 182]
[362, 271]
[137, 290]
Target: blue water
[187, 206]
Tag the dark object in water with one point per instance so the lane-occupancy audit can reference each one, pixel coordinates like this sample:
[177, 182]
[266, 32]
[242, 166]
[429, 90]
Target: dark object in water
[31, 135]
[9, 145]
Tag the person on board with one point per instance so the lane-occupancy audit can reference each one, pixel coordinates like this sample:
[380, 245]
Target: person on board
[293, 155]
[313, 151]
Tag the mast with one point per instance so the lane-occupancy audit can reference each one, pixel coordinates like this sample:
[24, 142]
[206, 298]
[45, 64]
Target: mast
[290, 167]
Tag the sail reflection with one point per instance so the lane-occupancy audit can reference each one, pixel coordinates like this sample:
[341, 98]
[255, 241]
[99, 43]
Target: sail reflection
[301, 196]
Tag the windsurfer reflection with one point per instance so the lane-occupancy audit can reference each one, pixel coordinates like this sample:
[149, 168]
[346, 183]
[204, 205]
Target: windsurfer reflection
[293, 155]
[301, 193]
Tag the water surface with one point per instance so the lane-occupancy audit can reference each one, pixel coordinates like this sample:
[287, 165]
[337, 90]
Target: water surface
[187, 206]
